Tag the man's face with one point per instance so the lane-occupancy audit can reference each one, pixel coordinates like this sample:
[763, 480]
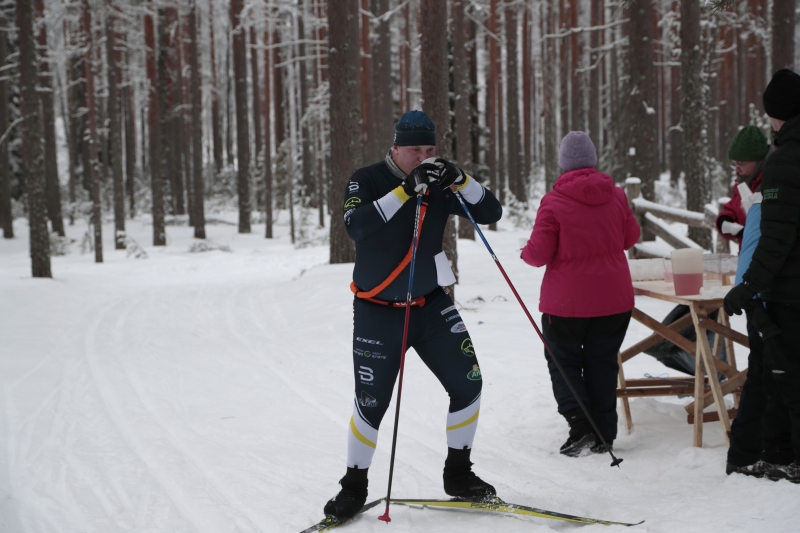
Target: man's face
[409, 157]
[744, 168]
[777, 123]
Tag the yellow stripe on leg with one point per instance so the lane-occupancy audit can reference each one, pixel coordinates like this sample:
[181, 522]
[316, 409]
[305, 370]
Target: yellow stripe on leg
[360, 435]
[466, 422]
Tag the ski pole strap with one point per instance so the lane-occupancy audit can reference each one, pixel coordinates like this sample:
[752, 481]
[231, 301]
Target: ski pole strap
[367, 295]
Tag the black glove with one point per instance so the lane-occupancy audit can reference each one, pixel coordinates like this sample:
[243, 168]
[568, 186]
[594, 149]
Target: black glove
[737, 298]
[418, 179]
[451, 174]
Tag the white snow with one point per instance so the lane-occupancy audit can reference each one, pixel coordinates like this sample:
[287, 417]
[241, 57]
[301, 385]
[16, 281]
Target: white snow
[210, 392]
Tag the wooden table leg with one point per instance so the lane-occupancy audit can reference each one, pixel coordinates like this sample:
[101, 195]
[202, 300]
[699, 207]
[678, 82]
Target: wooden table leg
[626, 406]
[724, 319]
[704, 359]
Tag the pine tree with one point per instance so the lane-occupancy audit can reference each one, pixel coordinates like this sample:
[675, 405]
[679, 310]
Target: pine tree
[345, 117]
[32, 143]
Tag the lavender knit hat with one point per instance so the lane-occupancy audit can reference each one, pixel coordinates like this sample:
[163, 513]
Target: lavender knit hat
[577, 151]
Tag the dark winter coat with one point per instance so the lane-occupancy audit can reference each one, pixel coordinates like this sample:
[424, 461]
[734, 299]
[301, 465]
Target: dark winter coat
[775, 268]
[382, 244]
[582, 229]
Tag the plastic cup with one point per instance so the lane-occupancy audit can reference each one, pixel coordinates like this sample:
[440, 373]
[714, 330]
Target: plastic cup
[667, 269]
[687, 271]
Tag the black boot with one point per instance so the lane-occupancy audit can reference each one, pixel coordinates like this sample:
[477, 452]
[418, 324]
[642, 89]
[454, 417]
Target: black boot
[351, 498]
[459, 479]
[581, 434]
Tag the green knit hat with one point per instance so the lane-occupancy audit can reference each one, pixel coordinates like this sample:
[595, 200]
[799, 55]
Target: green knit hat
[750, 144]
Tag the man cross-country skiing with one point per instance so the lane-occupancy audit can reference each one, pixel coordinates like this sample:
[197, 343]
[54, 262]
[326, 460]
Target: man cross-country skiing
[380, 219]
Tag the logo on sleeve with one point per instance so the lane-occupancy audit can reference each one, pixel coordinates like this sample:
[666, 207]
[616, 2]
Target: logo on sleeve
[367, 401]
[458, 327]
[467, 348]
[474, 374]
[770, 194]
[351, 202]
[365, 373]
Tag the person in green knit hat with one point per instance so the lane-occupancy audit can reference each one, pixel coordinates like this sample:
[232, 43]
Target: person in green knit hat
[747, 153]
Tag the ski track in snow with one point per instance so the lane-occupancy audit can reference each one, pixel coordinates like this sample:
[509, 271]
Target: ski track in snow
[211, 393]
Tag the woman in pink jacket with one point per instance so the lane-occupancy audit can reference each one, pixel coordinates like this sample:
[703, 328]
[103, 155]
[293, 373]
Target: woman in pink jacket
[582, 229]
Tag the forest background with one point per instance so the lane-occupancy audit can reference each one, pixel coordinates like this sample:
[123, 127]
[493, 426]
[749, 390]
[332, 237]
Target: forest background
[175, 110]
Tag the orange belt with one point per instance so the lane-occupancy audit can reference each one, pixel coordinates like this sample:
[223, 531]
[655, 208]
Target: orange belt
[368, 295]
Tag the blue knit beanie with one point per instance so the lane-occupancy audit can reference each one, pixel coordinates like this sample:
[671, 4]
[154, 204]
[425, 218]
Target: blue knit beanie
[577, 151]
[415, 128]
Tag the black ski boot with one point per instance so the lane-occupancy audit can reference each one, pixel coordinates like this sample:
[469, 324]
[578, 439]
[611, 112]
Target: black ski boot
[351, 498]
[581, 435]
[758, 469]
[459, 479]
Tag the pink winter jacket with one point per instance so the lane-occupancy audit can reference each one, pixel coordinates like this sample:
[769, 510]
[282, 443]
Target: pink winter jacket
[582, 229]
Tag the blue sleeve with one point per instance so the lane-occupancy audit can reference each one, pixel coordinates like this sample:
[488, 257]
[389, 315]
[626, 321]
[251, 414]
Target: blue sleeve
[752, 232]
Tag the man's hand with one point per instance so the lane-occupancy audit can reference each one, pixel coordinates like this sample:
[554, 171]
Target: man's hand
[418, 179]
[451, 174]
[737, 298]
[731, 228]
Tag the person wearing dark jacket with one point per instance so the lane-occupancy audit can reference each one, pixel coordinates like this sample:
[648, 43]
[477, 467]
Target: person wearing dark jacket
[746, 152]
[774, 271]
[380, 219]
[582, 229]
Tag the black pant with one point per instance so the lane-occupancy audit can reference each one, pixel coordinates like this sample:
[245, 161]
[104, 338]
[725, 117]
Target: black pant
[437, 334]
[746, 442]
[587, 349]
[782, 381]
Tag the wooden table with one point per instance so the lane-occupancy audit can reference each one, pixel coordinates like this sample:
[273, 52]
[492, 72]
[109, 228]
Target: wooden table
[705, 389]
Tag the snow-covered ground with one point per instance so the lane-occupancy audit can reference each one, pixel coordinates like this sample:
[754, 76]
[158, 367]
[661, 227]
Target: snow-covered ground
[210, 392]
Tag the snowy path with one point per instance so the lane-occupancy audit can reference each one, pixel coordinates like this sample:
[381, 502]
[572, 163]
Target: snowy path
[210, 393]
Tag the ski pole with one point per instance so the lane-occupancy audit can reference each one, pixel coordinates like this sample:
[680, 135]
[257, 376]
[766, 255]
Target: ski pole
[385, 516]
[616, 461]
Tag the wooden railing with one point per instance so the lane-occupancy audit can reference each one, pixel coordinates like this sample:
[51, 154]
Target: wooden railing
[652, 218]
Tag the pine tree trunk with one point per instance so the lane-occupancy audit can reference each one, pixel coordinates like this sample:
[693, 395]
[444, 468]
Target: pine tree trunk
[254, 77]
[197, 127]
[366, 82]
[550, 98]
[577, 47]
[463, 111]
[436, 97]
[493, 101]
[309, 188]
[32, 153]
[784, 20]
[242, 126]
[595, 105]
[52, 188]
[528, 94]
[267, 140]
[6, 219]
[382, 101]
[693, 117]
[643, 101]
[279, 94]
[154, 132]
[68, 108]
[130, 145]
[516, 180]
[216, 129]
[345, 117]
[115, 131]
[92, 169]
[228, 106]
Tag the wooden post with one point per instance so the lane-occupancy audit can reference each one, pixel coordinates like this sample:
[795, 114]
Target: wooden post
[626, 405]
[633, 190]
